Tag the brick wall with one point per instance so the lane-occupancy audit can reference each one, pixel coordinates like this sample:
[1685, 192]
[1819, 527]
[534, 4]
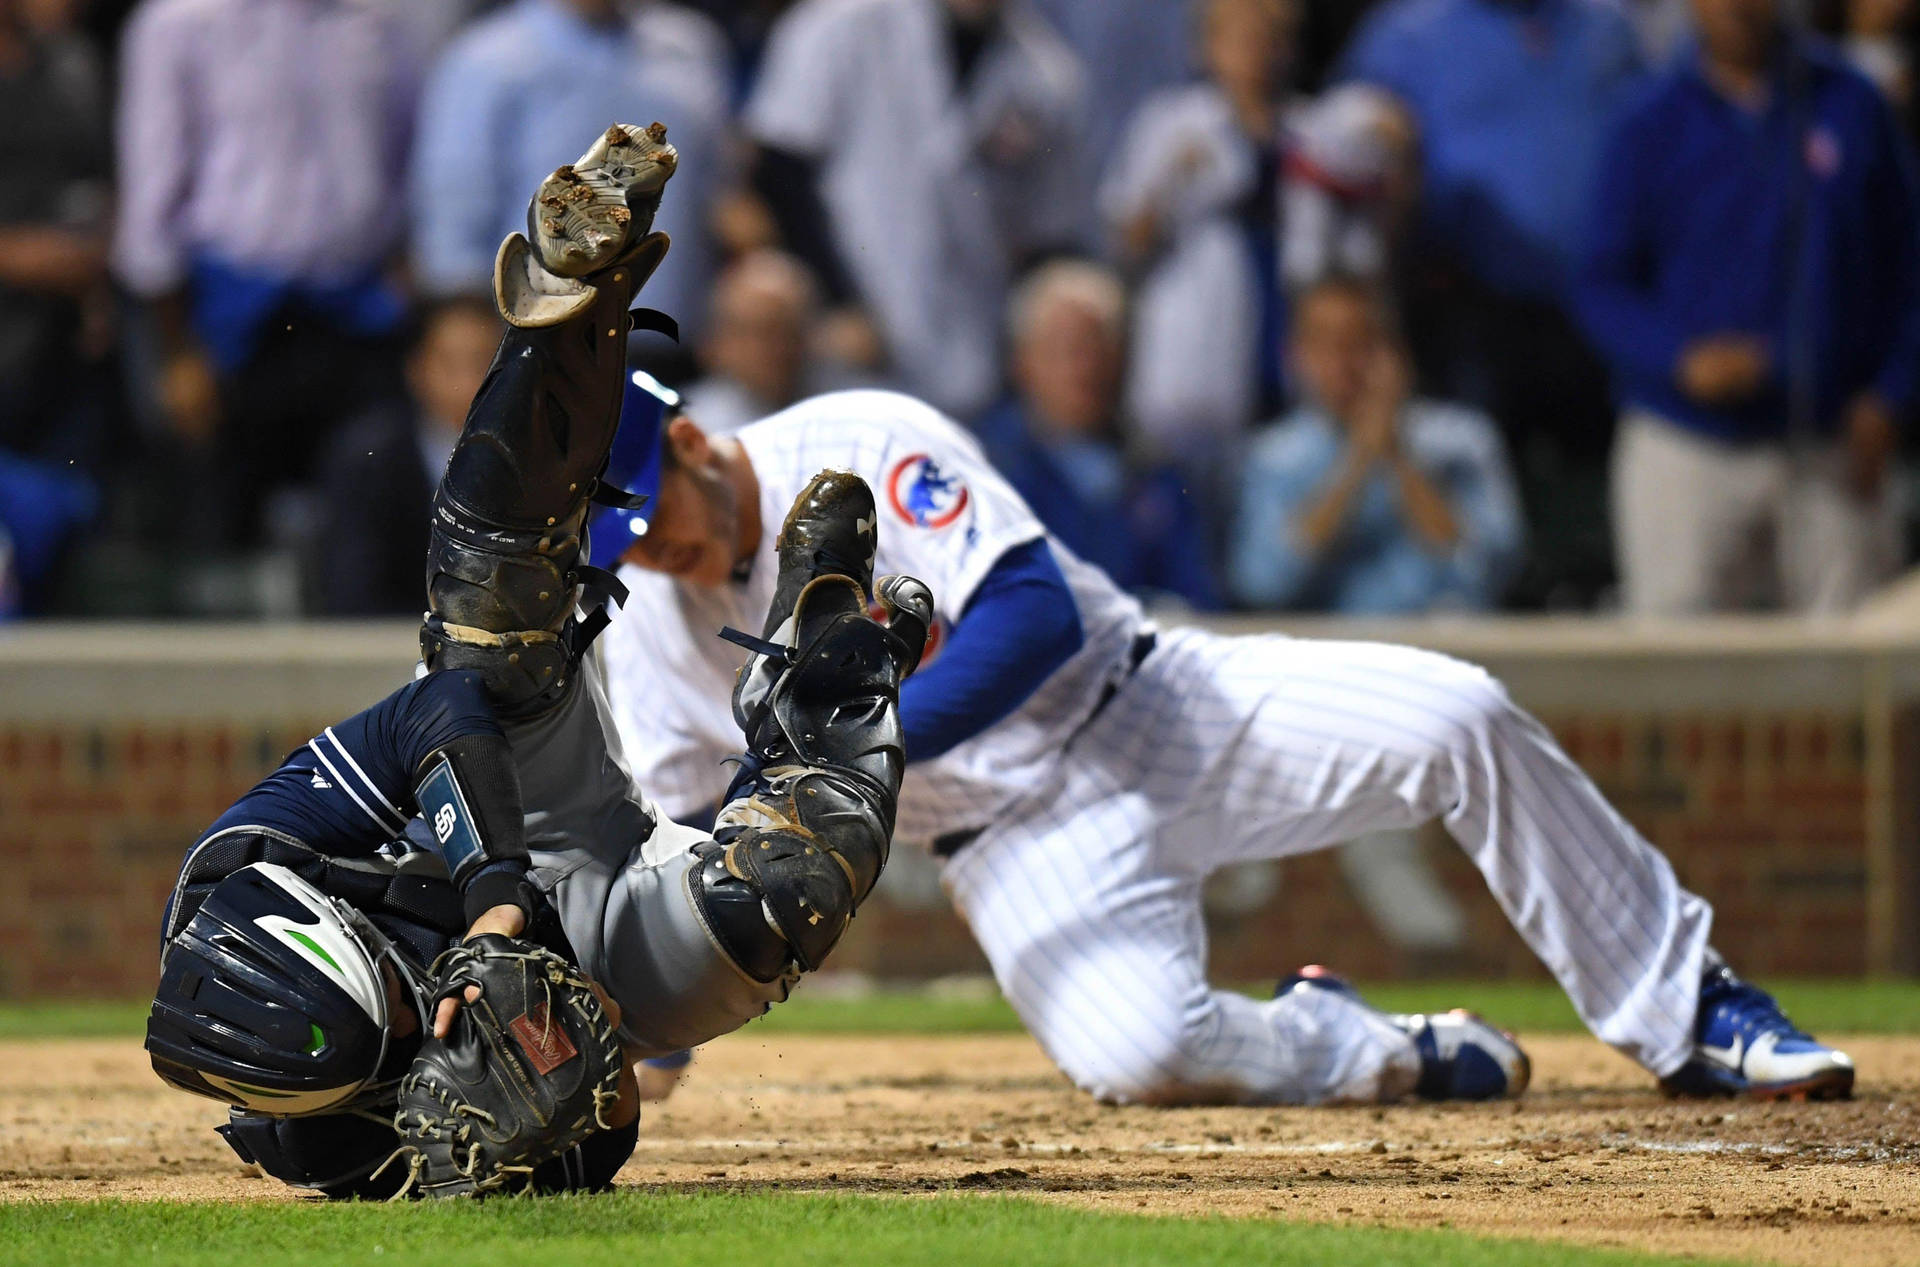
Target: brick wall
[1763, 814]
[94, 821]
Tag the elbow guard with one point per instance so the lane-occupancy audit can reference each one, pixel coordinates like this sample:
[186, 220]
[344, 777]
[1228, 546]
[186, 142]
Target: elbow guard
[469, 794]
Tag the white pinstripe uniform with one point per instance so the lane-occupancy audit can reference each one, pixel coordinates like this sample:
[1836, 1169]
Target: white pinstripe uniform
[1098, 825]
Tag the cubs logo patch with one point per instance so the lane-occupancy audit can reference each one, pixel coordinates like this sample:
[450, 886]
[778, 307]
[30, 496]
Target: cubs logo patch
[546, 1044]
[924, 495]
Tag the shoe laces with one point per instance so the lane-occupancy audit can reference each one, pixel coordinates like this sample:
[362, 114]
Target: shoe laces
[1746, 1008]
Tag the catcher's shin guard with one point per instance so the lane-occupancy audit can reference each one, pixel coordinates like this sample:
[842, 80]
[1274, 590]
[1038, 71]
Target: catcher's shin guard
[504, 563]
[808, 822]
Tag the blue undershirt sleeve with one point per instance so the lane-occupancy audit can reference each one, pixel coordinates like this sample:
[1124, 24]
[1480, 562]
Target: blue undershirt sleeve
[1021, 625]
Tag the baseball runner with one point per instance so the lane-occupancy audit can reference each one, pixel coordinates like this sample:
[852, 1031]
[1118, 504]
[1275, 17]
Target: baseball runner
[1082, 773]
[302, 960]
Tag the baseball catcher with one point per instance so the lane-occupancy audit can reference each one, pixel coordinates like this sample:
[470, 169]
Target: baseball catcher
[423, 953]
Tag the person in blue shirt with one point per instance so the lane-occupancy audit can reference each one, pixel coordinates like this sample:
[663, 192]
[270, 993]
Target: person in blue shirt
[1364, 501]
[42, 506]
[1753, 276]
[1057, 441]
[1511, 99]
[525, 83]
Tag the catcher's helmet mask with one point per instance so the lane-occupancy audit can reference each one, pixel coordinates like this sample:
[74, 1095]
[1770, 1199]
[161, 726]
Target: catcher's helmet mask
[274, 998]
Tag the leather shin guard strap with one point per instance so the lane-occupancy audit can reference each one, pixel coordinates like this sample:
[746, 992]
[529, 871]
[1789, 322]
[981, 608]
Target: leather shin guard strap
[837, 708]
[504, 562]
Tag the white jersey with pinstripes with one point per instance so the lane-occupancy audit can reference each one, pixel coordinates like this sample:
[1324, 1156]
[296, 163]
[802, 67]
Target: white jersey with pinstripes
[1098, 830]
[946, 517]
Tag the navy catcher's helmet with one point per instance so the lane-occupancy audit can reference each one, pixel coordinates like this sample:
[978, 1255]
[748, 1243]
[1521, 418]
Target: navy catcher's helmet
[633, 465]
[272, 998]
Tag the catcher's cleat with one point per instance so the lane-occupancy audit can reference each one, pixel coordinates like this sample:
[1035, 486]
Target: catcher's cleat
[1462, 1056]
[829, 530]
[1744, 1045]
[588, 219]
[584, 215]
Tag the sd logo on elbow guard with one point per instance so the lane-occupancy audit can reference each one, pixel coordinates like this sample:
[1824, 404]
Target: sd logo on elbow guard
[443, 804]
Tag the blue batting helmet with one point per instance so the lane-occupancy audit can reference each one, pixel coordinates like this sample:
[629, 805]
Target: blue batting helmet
[633, 465]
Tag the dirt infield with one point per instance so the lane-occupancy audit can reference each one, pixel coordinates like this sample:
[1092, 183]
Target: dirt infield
[1592, 1154]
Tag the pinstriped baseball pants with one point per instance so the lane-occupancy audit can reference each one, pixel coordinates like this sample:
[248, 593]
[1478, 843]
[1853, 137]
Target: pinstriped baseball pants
[1222, 750]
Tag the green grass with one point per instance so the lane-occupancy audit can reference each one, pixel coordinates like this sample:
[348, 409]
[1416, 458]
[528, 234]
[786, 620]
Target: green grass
[728, 1229]
[93, 1018]
[1832, 1007]
[1838, 1007]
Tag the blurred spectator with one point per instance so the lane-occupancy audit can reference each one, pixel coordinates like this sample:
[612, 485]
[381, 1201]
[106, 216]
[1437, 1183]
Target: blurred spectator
[262, 143]
[916, 153]
[1129, 48]
[40, 507]
[378, 479]
[1663, 28]
[1879, 42]
[1326, 28]
[746, 25]
[1193, 199]
[1366, 500]
[1058, 440]
[1754, 277]
[430, 24]
[54, 208]
[1511, 99]
[758, 348]
[523, 91]
[1348, 179]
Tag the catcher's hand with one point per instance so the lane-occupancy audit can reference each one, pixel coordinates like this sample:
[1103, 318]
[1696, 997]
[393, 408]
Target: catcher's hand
[530, 1067]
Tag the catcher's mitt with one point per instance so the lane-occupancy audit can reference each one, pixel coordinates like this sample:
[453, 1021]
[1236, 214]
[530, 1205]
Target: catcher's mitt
[529, 1069]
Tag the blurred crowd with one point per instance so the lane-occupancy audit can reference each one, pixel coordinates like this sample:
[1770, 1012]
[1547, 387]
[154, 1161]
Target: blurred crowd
[1361, 306]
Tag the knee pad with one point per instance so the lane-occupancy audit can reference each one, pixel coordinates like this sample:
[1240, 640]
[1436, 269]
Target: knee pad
[807, 824]
[773, 898]
[791, 863]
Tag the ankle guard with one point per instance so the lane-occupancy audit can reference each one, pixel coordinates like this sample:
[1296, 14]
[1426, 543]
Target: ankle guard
[806, 830]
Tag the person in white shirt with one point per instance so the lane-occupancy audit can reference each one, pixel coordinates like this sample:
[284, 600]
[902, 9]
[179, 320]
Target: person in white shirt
[1226, 194]
[523, 84]
[1082, 774]
[916, 148]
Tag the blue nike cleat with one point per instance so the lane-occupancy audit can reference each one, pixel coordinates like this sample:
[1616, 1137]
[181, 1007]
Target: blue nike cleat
[1462, 1057]
[1744, 1045]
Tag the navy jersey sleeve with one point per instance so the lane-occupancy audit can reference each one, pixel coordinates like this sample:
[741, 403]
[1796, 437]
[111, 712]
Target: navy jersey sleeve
[349, 789]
